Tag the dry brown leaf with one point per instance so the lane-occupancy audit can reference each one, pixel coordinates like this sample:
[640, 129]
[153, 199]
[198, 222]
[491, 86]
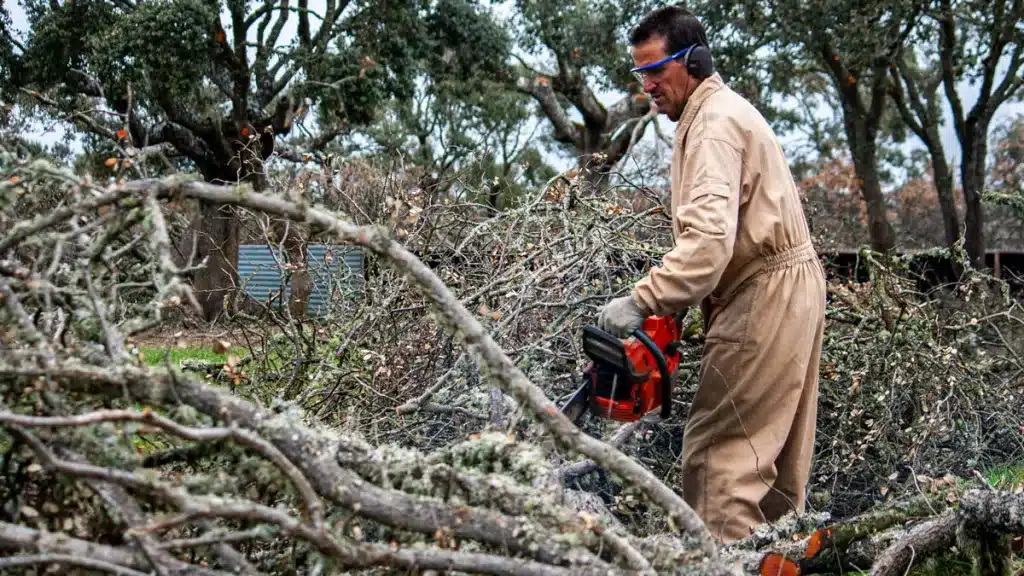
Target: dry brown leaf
[221, 346]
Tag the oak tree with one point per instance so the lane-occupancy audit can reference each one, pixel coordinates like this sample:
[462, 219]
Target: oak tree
[565, 53]
[961, 41]
[850, 44]
[217, 84]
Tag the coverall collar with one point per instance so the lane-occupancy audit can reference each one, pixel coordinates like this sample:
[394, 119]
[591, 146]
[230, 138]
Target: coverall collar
[709, 86]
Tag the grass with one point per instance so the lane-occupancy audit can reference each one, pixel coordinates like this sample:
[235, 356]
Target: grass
[158, 355]
[1006, 477]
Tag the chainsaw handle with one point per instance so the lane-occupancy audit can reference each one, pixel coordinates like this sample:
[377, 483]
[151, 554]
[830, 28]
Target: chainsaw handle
[666, 380]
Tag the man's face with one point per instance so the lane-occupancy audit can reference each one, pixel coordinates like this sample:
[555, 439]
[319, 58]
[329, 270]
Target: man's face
[668, 83]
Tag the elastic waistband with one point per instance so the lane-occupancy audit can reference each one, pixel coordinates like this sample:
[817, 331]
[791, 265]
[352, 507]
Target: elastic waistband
[789, 257]
[770, 263]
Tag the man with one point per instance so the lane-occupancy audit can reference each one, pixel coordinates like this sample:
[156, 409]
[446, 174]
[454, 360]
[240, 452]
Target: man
[742, 251]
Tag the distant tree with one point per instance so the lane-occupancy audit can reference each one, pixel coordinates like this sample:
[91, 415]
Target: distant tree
[850, 44]
[957, 41]
[564, 53]
[1004, 193]
[478, 147]
[218, 90]
[7, 49]
[920, 216]
[836, 213]
[469, 135]
[1006, 172]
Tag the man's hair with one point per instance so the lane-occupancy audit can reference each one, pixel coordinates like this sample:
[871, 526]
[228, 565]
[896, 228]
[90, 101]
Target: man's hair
[677, 25]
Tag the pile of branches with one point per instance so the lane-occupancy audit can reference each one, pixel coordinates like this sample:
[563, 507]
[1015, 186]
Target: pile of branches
[915, 374]
[114, 465]
[918, 380]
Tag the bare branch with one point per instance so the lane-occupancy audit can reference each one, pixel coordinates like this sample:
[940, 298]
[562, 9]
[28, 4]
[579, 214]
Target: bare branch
[66, 559]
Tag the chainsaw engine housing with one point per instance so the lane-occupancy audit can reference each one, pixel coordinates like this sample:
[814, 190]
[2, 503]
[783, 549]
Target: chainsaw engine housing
[626, 379]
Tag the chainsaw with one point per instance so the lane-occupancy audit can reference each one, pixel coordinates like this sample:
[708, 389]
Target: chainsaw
[628, 378]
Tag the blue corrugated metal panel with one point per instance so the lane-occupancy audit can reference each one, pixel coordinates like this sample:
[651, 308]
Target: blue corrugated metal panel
[334, 271]
[259, 274]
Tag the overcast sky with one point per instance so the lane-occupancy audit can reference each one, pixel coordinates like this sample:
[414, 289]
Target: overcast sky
[968, 95]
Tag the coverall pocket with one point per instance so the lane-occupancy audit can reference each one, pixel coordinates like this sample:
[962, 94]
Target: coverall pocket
[730, 314]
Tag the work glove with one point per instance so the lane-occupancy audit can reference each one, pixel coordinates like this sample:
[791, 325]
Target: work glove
[621, 316]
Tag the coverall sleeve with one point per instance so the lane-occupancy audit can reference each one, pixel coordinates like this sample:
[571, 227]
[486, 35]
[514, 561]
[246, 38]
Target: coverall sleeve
[712, 171]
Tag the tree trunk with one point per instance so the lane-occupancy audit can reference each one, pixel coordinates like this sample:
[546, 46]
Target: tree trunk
[294, 245]
[972, 175]
[943, 177]
[217, 237]
[947, 205]
[593, 165]
[861, 121]
[494, 199]
[217, 232]
[865, 165]
[914, 96]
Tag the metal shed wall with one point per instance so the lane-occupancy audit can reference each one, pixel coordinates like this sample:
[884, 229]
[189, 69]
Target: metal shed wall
[260, 275]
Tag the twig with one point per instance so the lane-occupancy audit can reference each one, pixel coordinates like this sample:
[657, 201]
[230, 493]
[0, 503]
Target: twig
[984, 481]
[618, 439]
[218, 537]
[416, 403]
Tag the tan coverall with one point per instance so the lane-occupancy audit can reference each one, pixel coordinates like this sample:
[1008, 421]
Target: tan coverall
[743, 252]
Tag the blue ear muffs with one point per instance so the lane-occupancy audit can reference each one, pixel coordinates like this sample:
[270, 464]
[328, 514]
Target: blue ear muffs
[698, 61]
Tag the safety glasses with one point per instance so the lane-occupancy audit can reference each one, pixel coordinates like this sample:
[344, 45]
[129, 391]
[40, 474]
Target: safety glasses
[654, 68]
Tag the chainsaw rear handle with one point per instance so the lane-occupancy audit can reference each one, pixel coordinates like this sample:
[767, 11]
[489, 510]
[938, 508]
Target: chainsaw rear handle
[666, 380]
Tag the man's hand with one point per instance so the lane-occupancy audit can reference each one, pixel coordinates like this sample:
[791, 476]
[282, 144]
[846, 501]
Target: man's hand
[621, 316]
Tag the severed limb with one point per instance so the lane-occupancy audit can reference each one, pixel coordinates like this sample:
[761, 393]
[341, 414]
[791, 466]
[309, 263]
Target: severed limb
[894, 539]
[192, 506]
[315, 455]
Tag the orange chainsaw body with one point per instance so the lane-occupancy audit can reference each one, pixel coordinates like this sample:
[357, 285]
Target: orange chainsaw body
[628, 378]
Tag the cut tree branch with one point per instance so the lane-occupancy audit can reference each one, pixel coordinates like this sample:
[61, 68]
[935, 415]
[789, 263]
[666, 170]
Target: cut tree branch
[194, 506]
[315, 456]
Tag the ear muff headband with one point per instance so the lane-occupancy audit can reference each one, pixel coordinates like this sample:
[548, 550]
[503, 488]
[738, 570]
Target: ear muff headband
[698, 61]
